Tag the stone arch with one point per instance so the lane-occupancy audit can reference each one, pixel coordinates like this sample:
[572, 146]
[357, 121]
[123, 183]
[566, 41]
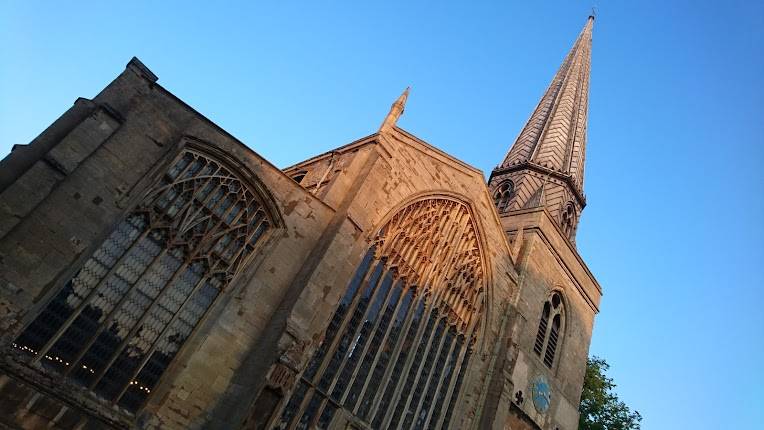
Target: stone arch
[397, 348]
[412, 240]
[503, 194]
[116, 325]
[568, 219]
[551, 330]
[443, 194]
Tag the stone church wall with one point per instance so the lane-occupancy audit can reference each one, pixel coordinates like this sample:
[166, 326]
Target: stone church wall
[400, 169]
[548, 263]
[63, 194]
[71, 186]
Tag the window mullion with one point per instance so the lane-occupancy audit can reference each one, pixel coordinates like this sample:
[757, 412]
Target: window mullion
[303, 406]
[453, 357]
[157, 193]
[389, 365]
[155, 344]
[429, 380]
[319, 411]
[354, 338]
[138, 323]
[452, 228]
[194, 192]
[110, 316]
[333, 349]
[398, 397]
[370, 337]
[451, 394]
[221, 219]
[384, 340]
[423, 323]
[345, 321]
[44, 350]
[549, 324]
[218, 203]
[421, 368]
[249, 236]
[195, 203]
[394, 357]
[457, 230]
[278, 419]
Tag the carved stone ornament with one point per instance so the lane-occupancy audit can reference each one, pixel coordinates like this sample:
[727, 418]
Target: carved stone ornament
[281, 377]
[433, 244]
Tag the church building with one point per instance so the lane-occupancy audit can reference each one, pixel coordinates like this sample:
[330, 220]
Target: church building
[157, 273]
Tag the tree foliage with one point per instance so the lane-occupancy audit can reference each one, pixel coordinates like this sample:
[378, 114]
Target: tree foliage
[600, 407]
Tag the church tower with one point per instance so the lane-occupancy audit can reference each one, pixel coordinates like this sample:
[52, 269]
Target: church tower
[538, 192]
[158, 273]
[545, 166]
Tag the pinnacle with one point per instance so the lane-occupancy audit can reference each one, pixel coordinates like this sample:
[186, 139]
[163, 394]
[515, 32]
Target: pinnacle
[396, 110]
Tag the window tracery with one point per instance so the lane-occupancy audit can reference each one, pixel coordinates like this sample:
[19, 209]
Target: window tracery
[119, 322]
[548, 334]
[395, 352]
[503, 196]
[568, 220]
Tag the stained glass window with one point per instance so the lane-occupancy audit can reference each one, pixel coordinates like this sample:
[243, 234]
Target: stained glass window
[396, 349]
[118, 323]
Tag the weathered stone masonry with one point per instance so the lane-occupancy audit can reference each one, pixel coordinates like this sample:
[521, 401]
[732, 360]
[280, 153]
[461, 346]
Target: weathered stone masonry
[155, 272]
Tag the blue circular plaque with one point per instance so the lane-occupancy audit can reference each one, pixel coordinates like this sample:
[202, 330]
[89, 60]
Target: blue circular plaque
[542, 395]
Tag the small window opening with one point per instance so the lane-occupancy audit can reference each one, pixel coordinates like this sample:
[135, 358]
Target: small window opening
[299, 176]
[503, 196]
[568, 218]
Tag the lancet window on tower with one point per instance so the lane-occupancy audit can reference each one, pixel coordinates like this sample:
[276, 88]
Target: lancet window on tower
[549, 330]
[396, 349]
[118, 323]
[503, 196]
[568, 220]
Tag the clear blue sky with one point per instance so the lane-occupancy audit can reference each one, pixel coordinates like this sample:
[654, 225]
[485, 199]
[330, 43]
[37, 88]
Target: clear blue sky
[674, 229]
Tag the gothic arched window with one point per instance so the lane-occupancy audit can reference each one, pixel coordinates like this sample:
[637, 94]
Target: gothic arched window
[568, 220]
[503, 195]
[548, 334]
[299, 176]
[396, 349]
[117, 324]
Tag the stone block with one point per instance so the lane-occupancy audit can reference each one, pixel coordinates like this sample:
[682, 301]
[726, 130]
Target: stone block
[82, 141]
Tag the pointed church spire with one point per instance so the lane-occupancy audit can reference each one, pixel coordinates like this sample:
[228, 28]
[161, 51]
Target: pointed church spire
[552, 143]
[555, 134]
[396, 110]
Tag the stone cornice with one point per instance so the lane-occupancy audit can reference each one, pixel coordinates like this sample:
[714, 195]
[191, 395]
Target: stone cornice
[540, 221]
[561, 176]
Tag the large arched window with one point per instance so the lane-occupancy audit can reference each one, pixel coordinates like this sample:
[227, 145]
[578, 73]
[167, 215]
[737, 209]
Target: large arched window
[550, 329]
[117, 324]
[503, 196]
[396, 349]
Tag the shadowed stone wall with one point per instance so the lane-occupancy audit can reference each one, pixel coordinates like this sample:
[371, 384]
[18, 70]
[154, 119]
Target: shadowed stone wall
[64, 193]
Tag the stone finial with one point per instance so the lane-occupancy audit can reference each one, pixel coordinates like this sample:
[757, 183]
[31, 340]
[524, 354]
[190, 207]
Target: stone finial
[396, 110]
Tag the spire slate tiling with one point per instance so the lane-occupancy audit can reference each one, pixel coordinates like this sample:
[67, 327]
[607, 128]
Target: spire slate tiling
[550, 151]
